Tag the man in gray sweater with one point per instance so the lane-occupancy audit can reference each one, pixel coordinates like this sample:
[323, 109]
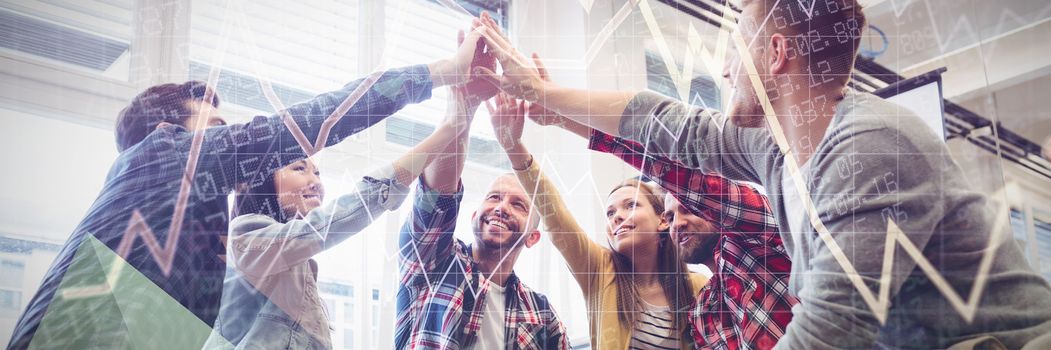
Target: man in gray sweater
[889, 246]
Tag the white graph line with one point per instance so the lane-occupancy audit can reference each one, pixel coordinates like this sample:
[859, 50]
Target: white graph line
[713, 61]
[587, 4]
[452, 5]
[879, 305]
[137, 226]
[963, 24]
[900, 9]
[603, 35]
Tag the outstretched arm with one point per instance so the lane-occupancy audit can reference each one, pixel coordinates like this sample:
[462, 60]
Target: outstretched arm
[304, 128]
[601, 110]
[264, 246]
[734, 206]
[583, 255]
[691, 136]
[427, 236]
[443, 175]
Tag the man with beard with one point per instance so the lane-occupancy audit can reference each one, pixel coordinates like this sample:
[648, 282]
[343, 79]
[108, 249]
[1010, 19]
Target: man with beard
[454, 295]
[851, 177]
[164, 208]
[745, 305]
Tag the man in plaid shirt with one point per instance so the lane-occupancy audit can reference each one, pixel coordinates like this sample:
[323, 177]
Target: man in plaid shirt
[155, 135]
[746, 304]
[454, 295]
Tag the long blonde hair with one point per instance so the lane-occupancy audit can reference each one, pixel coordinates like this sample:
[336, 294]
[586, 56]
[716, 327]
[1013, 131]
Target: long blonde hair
[671, 271]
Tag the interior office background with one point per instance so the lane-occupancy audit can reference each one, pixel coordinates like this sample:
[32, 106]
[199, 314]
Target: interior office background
[67, 67]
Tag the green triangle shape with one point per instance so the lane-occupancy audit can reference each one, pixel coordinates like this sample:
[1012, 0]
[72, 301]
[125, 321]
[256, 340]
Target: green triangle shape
[105, 303]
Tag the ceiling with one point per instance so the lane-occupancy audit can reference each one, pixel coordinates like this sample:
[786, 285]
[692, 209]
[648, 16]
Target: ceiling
[997, 53]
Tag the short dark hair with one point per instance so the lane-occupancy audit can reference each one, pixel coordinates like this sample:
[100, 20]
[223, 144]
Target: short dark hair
[158, 104]
[828, 33]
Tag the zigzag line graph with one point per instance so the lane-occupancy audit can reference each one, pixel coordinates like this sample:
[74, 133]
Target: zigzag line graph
[963, 26]
[878, 304]
[137, 227]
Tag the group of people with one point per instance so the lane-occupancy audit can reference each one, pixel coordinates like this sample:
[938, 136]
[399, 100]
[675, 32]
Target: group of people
[790, 264]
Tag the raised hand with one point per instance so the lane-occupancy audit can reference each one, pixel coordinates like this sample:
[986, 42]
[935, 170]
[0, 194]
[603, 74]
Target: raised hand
[457, 70]
[536, 112]
[519, 79]
[478, 89]
[508, 119]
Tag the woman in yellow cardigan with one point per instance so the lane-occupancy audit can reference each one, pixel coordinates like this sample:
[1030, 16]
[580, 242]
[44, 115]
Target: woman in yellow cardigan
[638, 291]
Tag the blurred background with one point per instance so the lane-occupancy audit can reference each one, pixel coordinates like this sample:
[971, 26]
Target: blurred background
[68, 67]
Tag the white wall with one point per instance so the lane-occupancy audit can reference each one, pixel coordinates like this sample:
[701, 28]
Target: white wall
[54, 170]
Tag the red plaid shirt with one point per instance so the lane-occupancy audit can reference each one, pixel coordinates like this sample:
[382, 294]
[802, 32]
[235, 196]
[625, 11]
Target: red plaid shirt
[746, 304]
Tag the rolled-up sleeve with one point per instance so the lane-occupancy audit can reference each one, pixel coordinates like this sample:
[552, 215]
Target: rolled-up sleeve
[695, 137]
[427, 234]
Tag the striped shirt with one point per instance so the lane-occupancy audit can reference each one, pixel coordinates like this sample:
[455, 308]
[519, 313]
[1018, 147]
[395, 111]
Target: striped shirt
[746, 304]
[655, 329]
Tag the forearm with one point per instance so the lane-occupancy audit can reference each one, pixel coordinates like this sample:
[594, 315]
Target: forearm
[443, 173]
[410, 166]
[600, 110]
[378, 96]
[443, 72]
[575, 128]
[519, 157]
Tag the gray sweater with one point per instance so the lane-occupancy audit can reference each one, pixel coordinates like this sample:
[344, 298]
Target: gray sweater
[876, 162]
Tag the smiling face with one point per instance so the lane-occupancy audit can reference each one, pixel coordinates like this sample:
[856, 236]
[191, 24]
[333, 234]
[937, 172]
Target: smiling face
[634, 223]
[696, 236]
[503, 217]
[298, 187]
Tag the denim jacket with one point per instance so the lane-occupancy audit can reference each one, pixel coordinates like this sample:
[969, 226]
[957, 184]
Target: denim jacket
[270, 295]
[138, 202]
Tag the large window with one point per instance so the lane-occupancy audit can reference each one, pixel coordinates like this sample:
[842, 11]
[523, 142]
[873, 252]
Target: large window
[301, 49]
[703, 91]
[1033, 234]
[90, 36]
[417, 31]
[87, 54]
[11, 286]
[311, 46]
